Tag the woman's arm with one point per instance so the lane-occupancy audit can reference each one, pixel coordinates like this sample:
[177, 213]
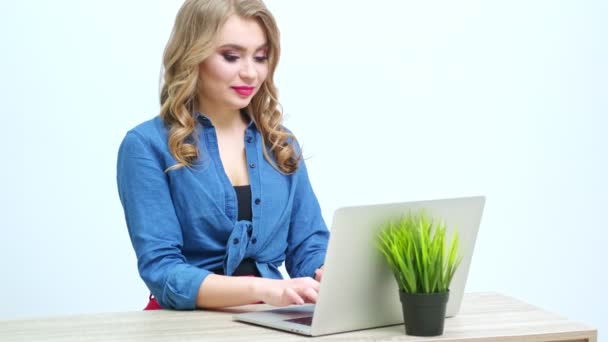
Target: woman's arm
[218, 291]
[153, 226]
[308, 235]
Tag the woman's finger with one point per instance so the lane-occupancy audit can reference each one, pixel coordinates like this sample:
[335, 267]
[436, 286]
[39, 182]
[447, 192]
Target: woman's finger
[307, 282]
[309, 295]
[319, 274]
[292, 297]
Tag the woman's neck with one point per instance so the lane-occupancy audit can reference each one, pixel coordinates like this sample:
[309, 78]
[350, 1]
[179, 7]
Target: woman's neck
[225, 120]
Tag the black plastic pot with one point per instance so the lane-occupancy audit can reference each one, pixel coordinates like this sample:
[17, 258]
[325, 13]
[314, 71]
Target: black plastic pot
[424, 313]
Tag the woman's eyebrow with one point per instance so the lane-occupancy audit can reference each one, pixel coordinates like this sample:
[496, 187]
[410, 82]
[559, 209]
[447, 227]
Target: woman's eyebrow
[242, 48]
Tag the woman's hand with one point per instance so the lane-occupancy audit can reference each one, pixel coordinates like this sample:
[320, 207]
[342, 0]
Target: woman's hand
[289, 291]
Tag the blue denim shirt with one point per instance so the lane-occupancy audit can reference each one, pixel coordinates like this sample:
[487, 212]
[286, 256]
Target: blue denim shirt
[183, 223]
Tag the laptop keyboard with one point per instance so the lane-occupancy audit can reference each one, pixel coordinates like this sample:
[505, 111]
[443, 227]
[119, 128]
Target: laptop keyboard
[301, 320]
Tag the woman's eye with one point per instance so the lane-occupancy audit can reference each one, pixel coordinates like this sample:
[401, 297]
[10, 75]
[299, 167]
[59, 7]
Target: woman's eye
[230, 58]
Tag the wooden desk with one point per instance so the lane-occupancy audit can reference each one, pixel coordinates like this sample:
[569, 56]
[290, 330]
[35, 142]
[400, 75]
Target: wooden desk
[483, 317]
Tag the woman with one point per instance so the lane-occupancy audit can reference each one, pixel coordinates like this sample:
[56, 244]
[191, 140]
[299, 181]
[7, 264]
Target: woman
[215, 187]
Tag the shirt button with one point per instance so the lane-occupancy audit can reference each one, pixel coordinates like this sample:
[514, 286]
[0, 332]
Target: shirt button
[254, 240]
[235, 241]
[249, 139]
[258, 201]
[252, 165]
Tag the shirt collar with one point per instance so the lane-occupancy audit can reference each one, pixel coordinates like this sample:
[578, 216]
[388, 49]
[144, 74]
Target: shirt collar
[206, 122]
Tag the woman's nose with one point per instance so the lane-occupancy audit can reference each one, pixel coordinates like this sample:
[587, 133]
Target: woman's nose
[247, 70]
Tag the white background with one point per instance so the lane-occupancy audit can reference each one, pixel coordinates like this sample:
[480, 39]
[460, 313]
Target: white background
[392, 101]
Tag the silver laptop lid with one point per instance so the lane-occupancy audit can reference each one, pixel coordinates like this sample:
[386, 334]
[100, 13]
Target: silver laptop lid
[358, 290]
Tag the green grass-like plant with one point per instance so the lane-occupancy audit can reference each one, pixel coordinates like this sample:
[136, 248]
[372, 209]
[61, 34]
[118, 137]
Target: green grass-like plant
[415, 249]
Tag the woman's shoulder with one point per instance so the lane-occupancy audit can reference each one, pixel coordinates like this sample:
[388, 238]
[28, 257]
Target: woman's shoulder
[149, 135]
[151, 128]
[292, 139]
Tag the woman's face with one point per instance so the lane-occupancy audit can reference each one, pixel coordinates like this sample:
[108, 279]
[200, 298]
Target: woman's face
[234, 72]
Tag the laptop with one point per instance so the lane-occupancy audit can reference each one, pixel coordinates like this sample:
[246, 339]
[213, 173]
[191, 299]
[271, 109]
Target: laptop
[358, 290]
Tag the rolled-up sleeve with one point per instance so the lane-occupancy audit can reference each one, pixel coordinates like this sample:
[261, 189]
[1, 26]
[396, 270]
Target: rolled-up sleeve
[153, 226]
[308, 234]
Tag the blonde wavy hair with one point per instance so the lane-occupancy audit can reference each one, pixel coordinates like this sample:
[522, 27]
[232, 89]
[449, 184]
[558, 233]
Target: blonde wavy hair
[197, 25]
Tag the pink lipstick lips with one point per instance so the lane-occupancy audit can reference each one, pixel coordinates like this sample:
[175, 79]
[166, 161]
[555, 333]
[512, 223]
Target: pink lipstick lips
[243, 90]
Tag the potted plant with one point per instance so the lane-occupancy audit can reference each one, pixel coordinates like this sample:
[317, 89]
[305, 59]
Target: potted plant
[415, 249]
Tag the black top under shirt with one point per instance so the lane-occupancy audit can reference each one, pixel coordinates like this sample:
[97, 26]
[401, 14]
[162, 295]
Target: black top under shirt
[243, 199]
